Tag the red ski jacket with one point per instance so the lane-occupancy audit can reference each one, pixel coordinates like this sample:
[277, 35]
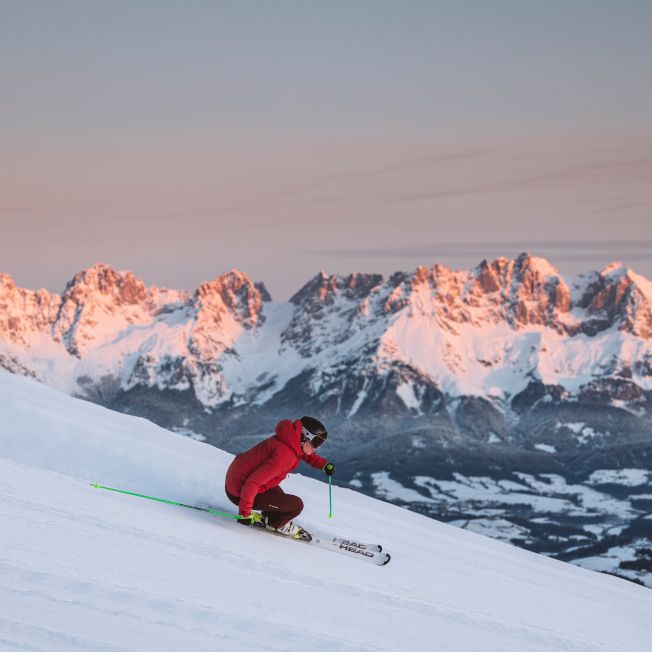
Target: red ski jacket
[267, 464]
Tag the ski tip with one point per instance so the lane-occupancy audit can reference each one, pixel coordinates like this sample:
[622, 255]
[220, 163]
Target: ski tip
[95, 485]
[387, 560]
[380, 548]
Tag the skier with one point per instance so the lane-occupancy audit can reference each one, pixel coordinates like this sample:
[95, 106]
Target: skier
[253, 478]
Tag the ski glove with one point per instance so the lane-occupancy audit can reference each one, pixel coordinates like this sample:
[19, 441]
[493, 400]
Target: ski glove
[329, 469]
[253, 519]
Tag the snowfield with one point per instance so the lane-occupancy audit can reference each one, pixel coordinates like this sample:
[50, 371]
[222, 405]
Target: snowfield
[90, 570]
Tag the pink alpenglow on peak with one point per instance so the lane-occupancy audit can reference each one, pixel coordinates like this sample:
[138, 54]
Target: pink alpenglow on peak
[496, 326]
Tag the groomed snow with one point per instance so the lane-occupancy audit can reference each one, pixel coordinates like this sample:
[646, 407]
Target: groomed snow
[84, 569]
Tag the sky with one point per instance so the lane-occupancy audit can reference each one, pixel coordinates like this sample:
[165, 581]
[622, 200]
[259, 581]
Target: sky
[182, 139]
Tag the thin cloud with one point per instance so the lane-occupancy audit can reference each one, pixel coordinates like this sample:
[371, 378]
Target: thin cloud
[567, 250]
[399, 166]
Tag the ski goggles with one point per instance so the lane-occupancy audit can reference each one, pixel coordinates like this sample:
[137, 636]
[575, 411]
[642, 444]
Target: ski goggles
[315, 440]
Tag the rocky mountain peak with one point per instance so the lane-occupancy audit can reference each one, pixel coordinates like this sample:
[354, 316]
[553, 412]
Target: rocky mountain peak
[323, 289]
[421, 275]
[617, 295]
[319, 289]
[615, 268]
[101, 280]
[447, 281]
[24, 311]
[93, 295]
[522, 291]
[234, 292]
[6, 283]
[525, 263]
[327, 300]
[437, 276]
[535, 290]
[488, 277]
[360, 285]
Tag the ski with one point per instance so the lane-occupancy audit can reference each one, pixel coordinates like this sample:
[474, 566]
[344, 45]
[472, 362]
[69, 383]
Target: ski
[364, 551]
[371, 547]
[367, 552]
[371, 552]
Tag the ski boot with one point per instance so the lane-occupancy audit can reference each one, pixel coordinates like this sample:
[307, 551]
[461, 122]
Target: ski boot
[290, 529]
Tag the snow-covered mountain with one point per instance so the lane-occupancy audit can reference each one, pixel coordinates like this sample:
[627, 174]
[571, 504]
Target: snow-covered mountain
[504, 372]
[488, 332]
[85, 569]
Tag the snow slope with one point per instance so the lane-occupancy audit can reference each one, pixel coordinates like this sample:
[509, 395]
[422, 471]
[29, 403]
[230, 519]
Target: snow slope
[85, 569]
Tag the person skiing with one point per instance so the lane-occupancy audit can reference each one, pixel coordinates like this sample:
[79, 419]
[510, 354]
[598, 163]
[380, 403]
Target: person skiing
[253, 477]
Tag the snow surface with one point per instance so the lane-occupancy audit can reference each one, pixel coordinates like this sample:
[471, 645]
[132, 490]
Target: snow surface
[496, 528]
[505, 492]
[407, 394]
[86, 569]
[393, 490]
[613, 557]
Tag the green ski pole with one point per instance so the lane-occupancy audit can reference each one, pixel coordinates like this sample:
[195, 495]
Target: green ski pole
[330, 496]
[168, 502]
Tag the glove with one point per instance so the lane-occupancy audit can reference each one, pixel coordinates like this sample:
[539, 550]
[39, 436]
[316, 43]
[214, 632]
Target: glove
[253, 519]
[329, 469]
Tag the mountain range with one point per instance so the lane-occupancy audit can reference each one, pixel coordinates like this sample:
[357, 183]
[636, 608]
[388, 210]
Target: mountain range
[508, 399]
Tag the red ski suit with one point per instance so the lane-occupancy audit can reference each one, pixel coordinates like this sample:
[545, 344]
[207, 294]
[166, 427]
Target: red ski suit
[267, 464]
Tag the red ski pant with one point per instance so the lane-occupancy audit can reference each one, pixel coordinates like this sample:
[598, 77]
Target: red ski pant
[274, 503]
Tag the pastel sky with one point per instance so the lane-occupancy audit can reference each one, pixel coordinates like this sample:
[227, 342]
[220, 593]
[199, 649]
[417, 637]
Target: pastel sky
[181, 139]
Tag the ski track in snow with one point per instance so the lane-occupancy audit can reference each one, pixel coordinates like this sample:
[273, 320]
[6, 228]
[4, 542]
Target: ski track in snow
[89, 570]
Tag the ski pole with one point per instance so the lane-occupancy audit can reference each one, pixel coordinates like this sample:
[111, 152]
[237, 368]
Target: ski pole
[330, 496]
[169, 502]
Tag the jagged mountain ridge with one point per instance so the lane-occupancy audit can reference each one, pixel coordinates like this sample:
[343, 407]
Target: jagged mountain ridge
[487, 332]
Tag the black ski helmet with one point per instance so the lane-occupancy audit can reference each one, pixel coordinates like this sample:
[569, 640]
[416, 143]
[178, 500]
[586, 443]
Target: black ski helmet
[314, 431]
